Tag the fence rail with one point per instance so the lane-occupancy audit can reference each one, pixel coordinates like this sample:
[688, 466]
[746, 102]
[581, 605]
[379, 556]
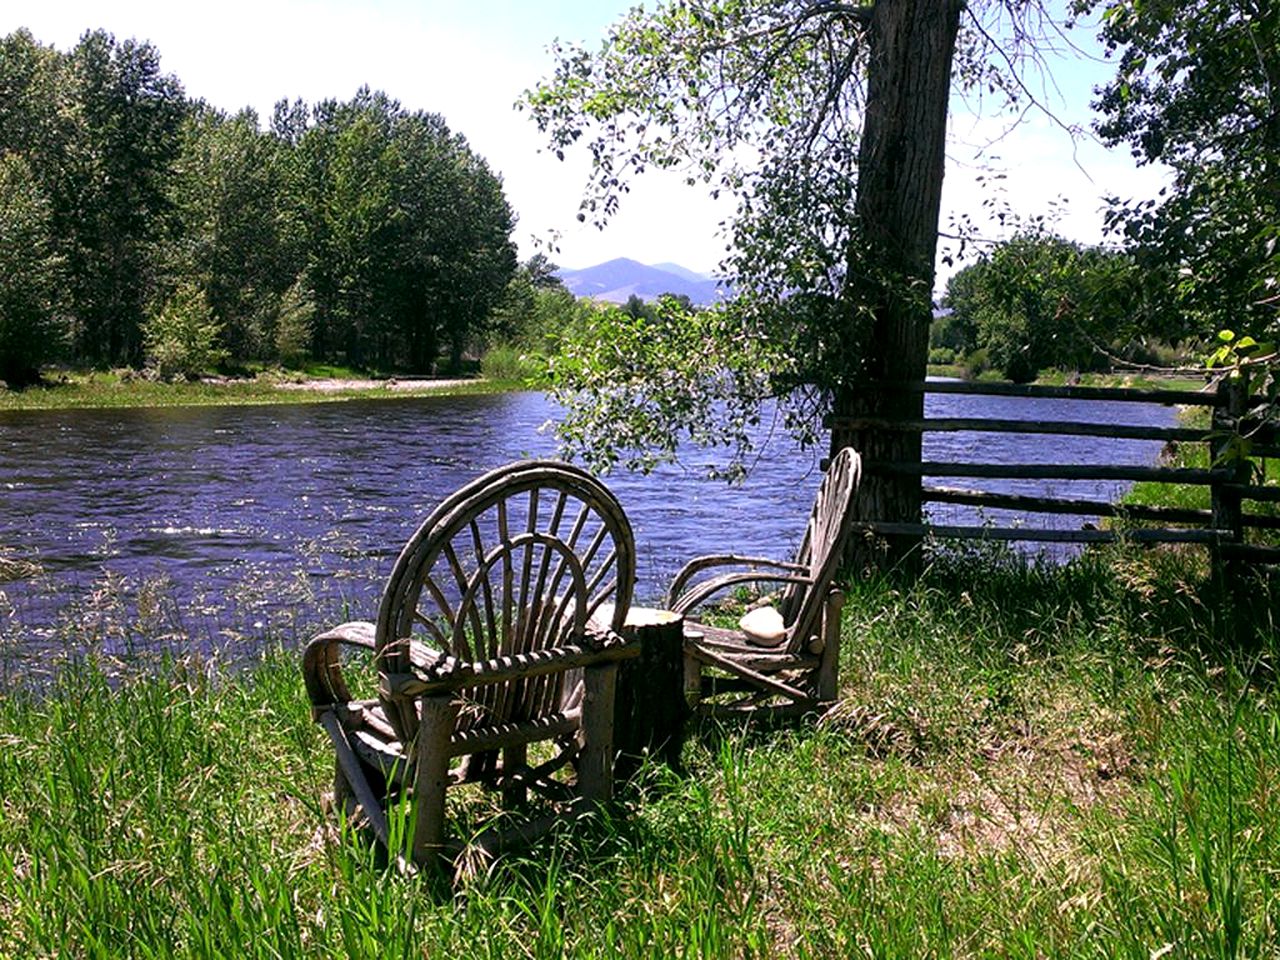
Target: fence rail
[1221, 528]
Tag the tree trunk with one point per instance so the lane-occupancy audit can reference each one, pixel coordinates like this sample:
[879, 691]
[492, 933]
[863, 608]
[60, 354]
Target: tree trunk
[900, 168]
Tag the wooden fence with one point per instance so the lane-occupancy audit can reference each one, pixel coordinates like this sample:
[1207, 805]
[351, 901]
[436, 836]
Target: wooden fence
[1222, 528]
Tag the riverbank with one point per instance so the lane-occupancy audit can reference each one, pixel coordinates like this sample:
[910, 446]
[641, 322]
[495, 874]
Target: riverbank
[1026, 761]
[100, 390]
[1059, 378]
[115, 390]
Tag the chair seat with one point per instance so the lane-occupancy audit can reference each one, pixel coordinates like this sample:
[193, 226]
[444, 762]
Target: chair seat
[731, 642]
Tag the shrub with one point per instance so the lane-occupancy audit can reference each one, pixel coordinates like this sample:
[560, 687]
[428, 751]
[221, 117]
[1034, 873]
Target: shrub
[976, 363]
[294, 325]
[505, 362]
[181, 339]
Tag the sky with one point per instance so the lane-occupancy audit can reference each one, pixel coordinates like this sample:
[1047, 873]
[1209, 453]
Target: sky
[471, 61]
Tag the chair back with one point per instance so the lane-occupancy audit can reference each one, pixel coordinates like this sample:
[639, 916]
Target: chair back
[514, 562]
[822, 549]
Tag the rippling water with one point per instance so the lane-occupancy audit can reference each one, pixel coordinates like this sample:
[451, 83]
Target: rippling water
[236, 519]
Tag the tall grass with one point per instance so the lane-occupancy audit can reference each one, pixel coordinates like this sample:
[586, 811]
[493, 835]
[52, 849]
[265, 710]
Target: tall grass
[1026, 761]
[508, 363]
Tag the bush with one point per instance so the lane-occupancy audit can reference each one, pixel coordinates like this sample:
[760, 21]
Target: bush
[505, 362]
[294, 325]
[976, 363]
[942, 356]
[182, 338]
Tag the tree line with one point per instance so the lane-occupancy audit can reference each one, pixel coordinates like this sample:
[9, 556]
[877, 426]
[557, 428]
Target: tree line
[141, 227]
[1039, 301]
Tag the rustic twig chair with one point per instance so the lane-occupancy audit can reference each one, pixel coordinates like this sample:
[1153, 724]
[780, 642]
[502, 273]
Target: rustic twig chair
[782, 659]
[484, 644]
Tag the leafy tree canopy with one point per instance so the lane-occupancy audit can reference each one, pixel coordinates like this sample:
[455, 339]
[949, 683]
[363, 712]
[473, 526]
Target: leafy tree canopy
[32, 328]
[1040, 301]
[825, 120]
[353, 230]
[1197, 87]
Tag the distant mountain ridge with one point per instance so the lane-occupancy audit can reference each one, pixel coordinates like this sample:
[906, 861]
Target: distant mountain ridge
[618, 280]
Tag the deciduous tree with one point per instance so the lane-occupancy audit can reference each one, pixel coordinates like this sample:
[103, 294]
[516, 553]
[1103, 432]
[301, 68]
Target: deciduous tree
[1038, 301]
[827, 121]
[32, 328]
[112, 205]
[228, 189]
[1197, 87]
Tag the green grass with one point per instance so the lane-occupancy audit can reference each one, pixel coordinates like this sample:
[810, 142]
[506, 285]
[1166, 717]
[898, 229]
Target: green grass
[1026, 762]
[110, 390]
[1137, 381]
[1196, 456]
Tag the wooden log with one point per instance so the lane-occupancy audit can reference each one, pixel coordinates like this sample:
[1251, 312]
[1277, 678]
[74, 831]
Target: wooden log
[692, 682]
[1096, 508]
[735, 666]
[1139, 535]
[1050, 471]
[502, 669]
[500, 736]
[514, 792]
[1121, 394]
[1248, 491]
[353, 773]
[1225, 496]
[1068, 428]
[651, 710]
[1251, 553]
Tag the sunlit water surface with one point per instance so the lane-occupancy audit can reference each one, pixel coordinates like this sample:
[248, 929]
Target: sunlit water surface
[212, 524]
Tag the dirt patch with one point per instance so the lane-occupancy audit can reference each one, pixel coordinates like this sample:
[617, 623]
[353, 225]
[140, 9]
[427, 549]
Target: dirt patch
[334, 385]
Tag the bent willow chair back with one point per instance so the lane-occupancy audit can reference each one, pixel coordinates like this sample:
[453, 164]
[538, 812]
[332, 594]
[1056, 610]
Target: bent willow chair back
[486, 642]
[782, 656]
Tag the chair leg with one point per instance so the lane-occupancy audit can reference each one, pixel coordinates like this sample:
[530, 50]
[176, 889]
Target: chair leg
[431, 775]
[513, 759]
[829, 665]
[595, 761]
[692, 681]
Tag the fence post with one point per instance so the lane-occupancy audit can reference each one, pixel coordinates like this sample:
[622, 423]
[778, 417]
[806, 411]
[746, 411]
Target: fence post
[1226, 502]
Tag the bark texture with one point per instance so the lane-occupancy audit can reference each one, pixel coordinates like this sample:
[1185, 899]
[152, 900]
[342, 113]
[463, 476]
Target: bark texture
[901, 162]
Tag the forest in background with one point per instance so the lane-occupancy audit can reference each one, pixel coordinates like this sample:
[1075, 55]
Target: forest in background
[140, 228]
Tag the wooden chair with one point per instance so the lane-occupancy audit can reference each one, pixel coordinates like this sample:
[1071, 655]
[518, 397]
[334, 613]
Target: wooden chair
[484, 644]
[781, 658]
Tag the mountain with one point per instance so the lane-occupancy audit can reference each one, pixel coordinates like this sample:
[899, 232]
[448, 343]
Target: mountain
[617, 280]
[680, 271]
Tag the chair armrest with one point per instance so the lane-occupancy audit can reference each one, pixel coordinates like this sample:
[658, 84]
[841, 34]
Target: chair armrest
[599, 646]
[701, 592]
[699, 564]
[322, 665]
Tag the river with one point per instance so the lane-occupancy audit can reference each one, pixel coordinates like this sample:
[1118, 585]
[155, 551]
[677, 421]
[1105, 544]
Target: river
[208, 523]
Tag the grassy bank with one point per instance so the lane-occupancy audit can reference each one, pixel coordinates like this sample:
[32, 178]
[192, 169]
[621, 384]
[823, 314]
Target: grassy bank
[113, 390]
[1026, 762]
[1058, 378]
